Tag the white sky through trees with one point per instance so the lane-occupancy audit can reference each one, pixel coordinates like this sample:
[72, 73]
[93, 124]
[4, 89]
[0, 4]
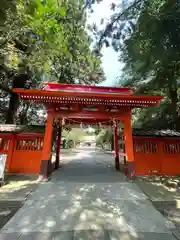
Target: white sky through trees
[110, 62]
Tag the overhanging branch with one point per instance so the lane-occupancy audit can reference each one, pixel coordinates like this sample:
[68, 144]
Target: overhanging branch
[116, 19]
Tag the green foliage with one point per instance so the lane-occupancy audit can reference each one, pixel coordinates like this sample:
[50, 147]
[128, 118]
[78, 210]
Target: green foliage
[105, 135]
[75, 135]
[151, 55]
[147, 34]
[43, 40]
[53, 39]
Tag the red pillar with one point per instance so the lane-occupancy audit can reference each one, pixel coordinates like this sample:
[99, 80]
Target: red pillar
[129, 147]
[58, 146]
[46, 165]
[116, 148]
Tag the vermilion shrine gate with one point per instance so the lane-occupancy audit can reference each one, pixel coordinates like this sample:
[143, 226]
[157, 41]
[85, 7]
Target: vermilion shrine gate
[87, 105]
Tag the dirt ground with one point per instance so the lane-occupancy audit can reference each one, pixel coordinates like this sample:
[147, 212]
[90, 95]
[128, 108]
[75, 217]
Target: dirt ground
[160, 187]
[17, 187]
[164, 193]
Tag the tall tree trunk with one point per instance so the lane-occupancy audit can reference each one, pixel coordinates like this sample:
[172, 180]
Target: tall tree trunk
[23, 115]
[19, 81]
[174, 100]
[13, 106]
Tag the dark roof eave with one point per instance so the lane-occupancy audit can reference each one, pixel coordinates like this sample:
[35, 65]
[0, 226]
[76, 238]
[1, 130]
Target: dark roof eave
[5, 128]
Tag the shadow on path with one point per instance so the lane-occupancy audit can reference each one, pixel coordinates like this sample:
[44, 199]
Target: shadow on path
[87, 199]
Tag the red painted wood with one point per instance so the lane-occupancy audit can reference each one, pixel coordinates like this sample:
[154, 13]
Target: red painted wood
[150, 154]
[4, 143]
[86, 88]
[46, 153]
[26, 156]
[157, 156]
[89, 115]
[29, 135]
[128, 139]
[88, 121]
[79, 96]
[55, 97]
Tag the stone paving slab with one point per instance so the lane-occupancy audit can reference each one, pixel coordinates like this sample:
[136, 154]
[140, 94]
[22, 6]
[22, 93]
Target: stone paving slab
[10, 236]
[89, 178]
[70, 190]
[176, 233]
[116, 235]
[7, 210]
[54, 215]
[87, 197]
[91, 234]
[60, 235]
[87, 235]
[86, 173]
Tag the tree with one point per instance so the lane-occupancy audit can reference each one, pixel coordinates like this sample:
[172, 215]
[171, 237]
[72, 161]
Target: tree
[151, 54]
[75, 135]
[105, 135]
[44, 38]
[146, 33]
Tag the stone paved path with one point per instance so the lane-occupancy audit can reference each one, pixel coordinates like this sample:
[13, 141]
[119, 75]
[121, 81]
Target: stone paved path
[87, 199]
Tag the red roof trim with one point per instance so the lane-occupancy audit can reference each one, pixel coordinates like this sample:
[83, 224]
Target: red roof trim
[49, 94]
[88, 98]
[86, 88]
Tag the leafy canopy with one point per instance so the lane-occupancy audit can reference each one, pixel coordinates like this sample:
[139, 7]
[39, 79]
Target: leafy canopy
[146, 35]
[44, 40]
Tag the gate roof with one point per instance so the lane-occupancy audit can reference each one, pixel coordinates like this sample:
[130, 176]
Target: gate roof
[70, 94]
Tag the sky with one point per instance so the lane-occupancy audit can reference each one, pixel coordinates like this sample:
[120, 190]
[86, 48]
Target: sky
[110, 63]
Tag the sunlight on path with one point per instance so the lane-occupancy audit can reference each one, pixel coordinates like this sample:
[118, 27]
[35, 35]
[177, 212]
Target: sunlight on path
[87, 199]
